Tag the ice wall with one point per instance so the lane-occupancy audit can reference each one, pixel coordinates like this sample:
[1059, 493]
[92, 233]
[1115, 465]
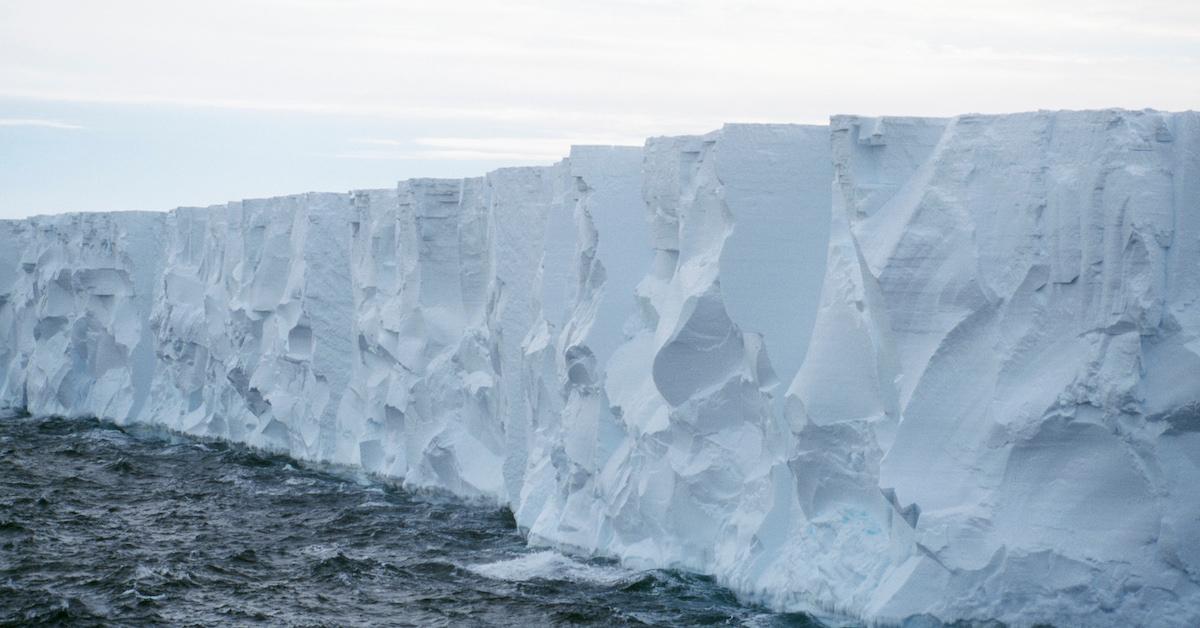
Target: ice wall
[252, 322]
[969, 391]
[74, 308]
[672, 452]
[445, 277]
[1013, 300]
[421, 394]
[775, 180]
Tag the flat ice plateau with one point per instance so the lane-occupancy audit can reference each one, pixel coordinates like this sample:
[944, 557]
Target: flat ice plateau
[889, 367]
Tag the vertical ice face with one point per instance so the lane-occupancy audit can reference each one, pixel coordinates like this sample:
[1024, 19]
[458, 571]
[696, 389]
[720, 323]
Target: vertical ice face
[254, 322]
[519, 201]
[15, 326]
[598, 235]
[447, 285]
[421, 395]
[1010, 290]
[607, 269]
[670, 451]
[76, 293]
[776, 184]
[972, 390]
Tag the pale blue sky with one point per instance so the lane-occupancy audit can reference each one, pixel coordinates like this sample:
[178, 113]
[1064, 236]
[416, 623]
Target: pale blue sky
[150, 104]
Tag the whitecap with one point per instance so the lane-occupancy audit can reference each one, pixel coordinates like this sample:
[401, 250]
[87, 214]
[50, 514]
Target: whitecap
[550, 565]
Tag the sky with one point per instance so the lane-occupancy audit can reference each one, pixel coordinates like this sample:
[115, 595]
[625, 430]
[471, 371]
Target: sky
[152, 104]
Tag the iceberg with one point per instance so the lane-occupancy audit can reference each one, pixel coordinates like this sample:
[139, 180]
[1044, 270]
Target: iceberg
[74, 313]
[1013, 286]
[251, 322]
[899, 369]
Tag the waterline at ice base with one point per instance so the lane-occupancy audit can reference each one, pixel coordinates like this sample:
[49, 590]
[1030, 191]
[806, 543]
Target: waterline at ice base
[890, 368]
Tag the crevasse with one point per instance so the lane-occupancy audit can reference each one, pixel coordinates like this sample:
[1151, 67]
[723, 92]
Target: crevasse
[892, 367]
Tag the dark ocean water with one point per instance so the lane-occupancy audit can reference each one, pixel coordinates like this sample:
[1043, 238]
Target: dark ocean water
[101, 525]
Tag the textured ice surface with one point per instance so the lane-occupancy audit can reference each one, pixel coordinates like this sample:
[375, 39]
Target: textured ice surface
[1011, 288]
[252, 321]
[74, 311]
[891, 367]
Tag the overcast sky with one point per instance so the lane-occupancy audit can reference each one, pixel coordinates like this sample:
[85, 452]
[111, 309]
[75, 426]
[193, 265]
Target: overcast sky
[126, 104]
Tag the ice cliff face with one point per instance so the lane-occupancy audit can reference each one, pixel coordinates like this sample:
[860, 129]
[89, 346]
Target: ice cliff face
[971, 390]
[252, 322]
[74, 308]
[1017, 302]
[444, 274]
[648, 465]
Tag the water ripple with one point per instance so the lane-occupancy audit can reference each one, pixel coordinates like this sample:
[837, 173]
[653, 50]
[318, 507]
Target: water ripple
[106, 526]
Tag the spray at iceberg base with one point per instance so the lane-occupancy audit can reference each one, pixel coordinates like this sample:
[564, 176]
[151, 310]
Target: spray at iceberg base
[969, 391]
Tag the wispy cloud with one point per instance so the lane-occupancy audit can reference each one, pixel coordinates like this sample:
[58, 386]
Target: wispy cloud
[40, 123]
[537, 149]
[565, 117]
[444, 155]
[528, 145]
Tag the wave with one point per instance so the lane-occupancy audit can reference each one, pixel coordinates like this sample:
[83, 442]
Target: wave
[551, 565]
